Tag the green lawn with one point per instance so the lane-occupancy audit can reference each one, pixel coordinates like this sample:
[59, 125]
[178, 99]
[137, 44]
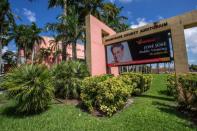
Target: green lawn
[153, 111]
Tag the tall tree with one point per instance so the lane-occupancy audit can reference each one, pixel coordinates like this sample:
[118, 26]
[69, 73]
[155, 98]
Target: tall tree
[64, 4]
[26, 38]
[69, 30]
[35, 39]
[60, 29]
[111, 15]
[43, 54]
[21, 38]
[6, 22]
[55, 47]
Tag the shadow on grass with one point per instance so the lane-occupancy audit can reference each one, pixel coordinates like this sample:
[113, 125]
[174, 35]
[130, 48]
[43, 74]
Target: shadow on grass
[173, 110]
[157, 97]
[10, 111]
[164, 92]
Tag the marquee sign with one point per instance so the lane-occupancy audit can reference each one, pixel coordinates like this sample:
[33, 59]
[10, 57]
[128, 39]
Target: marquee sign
[143, 50]
[133, 33]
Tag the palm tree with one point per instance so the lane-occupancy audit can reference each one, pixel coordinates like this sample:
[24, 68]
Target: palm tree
[93, 7]
[111, 15]
[55, 46]
[35, 39]
[6, 22]
[43, 54]
[69, 30]
[20, 35]
[26, 37]
[64, 4]
[61, 30]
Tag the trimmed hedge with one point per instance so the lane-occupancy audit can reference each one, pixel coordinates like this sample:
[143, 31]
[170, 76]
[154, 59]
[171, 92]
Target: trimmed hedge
[109, 94]
[89, 90]
[171, 85]
[139, 83]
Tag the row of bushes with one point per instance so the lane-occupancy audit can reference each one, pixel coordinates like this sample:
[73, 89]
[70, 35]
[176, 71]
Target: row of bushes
[188, 83]
[109, 94]
[34, 86]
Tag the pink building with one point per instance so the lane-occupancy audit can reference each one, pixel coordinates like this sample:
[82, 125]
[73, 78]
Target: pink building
[50, 59]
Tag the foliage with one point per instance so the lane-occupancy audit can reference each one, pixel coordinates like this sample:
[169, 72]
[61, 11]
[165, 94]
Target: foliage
[189, 83]
[26, 37]
[171, 85]
[89, 90]
[43, 54]
[105, 93]
[112, 95]
[139, 82]
[6, 24]
[10, 57]
[105, 11]
[69, 30]
[193, 67]
[67, 77]
[30, 86]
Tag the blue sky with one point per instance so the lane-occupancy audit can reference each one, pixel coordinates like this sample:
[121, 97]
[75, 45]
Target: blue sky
[139, 13]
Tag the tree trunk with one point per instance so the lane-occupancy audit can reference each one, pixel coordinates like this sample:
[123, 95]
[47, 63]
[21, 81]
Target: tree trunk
[74, 50]
[64, 52]
[1, 47]
[32, 56]
[65, 8]
[1, 56]
[157, 68]
[21, 59]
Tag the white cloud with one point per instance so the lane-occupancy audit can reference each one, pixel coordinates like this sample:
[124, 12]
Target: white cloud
[192, 61]
[126, 1]
[31, 16]
[191, 40]
[123, 1]
[129, 13]
[5, 48]
[112, 1]
[160, 17]
[140, 22]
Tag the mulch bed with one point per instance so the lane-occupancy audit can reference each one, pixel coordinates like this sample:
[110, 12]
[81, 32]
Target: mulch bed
[95, 112]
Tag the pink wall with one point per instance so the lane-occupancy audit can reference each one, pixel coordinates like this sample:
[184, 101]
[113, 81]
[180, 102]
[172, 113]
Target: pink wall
[96, 57]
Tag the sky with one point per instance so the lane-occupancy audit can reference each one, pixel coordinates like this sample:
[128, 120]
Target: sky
[139, 13]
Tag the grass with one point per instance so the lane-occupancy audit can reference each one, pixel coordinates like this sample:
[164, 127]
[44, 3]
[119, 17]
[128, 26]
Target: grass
[153, 111]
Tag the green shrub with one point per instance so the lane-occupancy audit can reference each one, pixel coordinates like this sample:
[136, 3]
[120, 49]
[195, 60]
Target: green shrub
[89, 90]
[171, 85]
[30, 86]
[67, 78]
[189, 83]
[112, 95]
[105, 93]
[139, 82]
